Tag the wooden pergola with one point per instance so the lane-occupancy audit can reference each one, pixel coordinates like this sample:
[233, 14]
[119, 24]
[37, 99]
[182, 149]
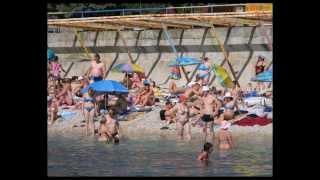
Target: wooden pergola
[178, 21]
[167, 21]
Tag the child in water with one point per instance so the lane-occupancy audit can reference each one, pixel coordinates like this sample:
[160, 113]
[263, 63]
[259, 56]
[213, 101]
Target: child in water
[207, 149]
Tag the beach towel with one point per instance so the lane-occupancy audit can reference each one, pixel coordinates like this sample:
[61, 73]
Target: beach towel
[67, 115]
[252, 121]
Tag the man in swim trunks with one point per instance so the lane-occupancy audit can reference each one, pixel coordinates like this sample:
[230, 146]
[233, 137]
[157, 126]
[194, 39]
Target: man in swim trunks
[98, 68]
[207, 107]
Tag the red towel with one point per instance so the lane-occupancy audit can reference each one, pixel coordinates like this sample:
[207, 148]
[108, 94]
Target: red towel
[248, 121]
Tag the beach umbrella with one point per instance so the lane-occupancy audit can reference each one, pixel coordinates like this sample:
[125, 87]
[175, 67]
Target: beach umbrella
[128, 68]
[222, 76]
[263, 77]
[107, 86]
[50, 54]
[183, 61]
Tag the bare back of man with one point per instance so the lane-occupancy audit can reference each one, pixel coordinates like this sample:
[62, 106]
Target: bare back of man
[225, 139]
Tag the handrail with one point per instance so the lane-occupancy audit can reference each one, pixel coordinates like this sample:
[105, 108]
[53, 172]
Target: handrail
[145, 9]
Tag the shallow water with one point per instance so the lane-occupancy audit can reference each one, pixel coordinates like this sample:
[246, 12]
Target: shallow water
[157, 156]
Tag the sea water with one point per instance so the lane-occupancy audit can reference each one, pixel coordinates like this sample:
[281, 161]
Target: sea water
[157, 156]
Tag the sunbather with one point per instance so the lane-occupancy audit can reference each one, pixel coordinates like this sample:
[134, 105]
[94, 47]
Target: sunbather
[146, 97]
[66, 96]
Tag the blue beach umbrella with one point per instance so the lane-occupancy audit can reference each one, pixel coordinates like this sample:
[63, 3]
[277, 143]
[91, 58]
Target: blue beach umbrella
[107, 86]
[50, 54]
[263, 77]
[184, 61]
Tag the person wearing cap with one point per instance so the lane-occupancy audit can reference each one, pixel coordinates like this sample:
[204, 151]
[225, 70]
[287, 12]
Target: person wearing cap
[225, 140]
[208, 109]
[146, 97]
[182, 113]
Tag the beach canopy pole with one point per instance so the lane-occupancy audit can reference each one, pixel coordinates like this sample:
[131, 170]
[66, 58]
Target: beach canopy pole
[86, 50]
[174, 50]
[125, 44]
[214, 34]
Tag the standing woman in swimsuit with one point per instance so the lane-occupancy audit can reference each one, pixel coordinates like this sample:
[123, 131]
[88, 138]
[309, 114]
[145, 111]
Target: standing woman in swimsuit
[229, 104]
[88, 108]
[204, 71]
[182, 112]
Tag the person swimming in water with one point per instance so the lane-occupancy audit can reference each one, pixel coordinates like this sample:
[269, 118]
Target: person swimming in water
[207, 150]
[112, 127]
[102, 131]
[225, 140]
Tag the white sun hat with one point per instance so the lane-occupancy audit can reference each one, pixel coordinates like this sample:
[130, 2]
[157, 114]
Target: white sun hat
[191, 83]
[80, 78]
[205, 88]
[228, 94]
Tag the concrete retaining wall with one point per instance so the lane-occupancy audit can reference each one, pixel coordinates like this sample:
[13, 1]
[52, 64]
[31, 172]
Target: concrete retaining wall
[150, 46]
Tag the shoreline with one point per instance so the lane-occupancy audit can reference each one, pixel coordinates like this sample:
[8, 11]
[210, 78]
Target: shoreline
[140, 124]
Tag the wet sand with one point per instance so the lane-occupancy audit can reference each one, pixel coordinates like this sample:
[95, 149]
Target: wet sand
[139, 124]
